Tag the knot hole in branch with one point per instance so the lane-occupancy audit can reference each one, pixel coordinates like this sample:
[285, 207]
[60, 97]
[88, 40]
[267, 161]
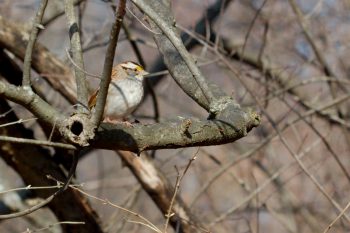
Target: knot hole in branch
[79, 129]
[76, 128]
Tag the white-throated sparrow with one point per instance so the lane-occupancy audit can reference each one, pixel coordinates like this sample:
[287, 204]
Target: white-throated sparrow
[125, 91]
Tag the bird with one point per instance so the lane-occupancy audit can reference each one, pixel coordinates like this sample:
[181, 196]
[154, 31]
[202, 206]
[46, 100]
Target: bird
[125, 91]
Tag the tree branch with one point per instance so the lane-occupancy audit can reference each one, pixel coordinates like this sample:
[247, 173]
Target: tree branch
[107, 68]
[54, 10]
[183, 132]
[32, 102]
[37, 142]
[175, 134]
[167, 27]
[13, 37]
[31, 42]
[201, 27]
[77, 54]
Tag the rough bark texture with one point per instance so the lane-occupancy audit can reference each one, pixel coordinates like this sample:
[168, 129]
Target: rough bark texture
[183, 132]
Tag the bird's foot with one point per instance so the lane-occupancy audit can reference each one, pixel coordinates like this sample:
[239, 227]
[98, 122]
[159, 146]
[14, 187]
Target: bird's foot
[118, 122]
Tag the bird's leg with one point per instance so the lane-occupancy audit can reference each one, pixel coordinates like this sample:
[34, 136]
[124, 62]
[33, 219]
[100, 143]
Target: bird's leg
[126, 122]
[115, 121]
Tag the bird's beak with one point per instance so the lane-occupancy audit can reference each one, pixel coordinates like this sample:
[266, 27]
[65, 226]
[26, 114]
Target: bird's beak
[144, 73]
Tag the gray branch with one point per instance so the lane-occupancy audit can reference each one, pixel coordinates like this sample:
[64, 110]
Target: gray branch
[77, 54]
[182, 132]
[54, 10]
[31, 42]
[161, 17]
[107, 68]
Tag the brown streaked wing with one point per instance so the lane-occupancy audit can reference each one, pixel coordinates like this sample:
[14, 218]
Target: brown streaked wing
[114, 73]
[92, 100]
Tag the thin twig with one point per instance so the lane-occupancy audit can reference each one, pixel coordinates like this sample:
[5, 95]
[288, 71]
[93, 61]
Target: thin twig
[105, 201]
[249, 153]
[81, 69]
[52, 225]
[108, 63]
[308, 34]
[328, 70]
[283, 90]
[129, 202]
[142, 23]
[31, 42]
[37, 142]
[177, 187]
[18, 122]
[251, 25]
[337, 218]
[29, 187]
[325, 142]
[50, 198]
[264, 185]
[282, 139]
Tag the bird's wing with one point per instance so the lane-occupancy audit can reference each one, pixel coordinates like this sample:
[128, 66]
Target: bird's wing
[93, 98]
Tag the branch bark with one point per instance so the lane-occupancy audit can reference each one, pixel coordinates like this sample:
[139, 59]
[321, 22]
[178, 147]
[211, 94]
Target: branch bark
[77, 54]
[182, 132]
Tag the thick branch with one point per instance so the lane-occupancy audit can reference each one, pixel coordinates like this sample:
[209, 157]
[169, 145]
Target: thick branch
[210, 15]
[176, 134]
[184, 77]
[164, 21]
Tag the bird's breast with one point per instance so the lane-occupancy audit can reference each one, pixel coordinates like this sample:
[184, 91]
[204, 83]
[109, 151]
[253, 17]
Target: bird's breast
[123, 97]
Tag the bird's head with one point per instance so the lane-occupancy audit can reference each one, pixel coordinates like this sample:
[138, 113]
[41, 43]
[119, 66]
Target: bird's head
[133, 69]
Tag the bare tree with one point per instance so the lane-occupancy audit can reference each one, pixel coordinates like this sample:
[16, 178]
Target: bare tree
[212, 67]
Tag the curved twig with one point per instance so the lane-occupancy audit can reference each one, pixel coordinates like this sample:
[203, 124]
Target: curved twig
[31, 42]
